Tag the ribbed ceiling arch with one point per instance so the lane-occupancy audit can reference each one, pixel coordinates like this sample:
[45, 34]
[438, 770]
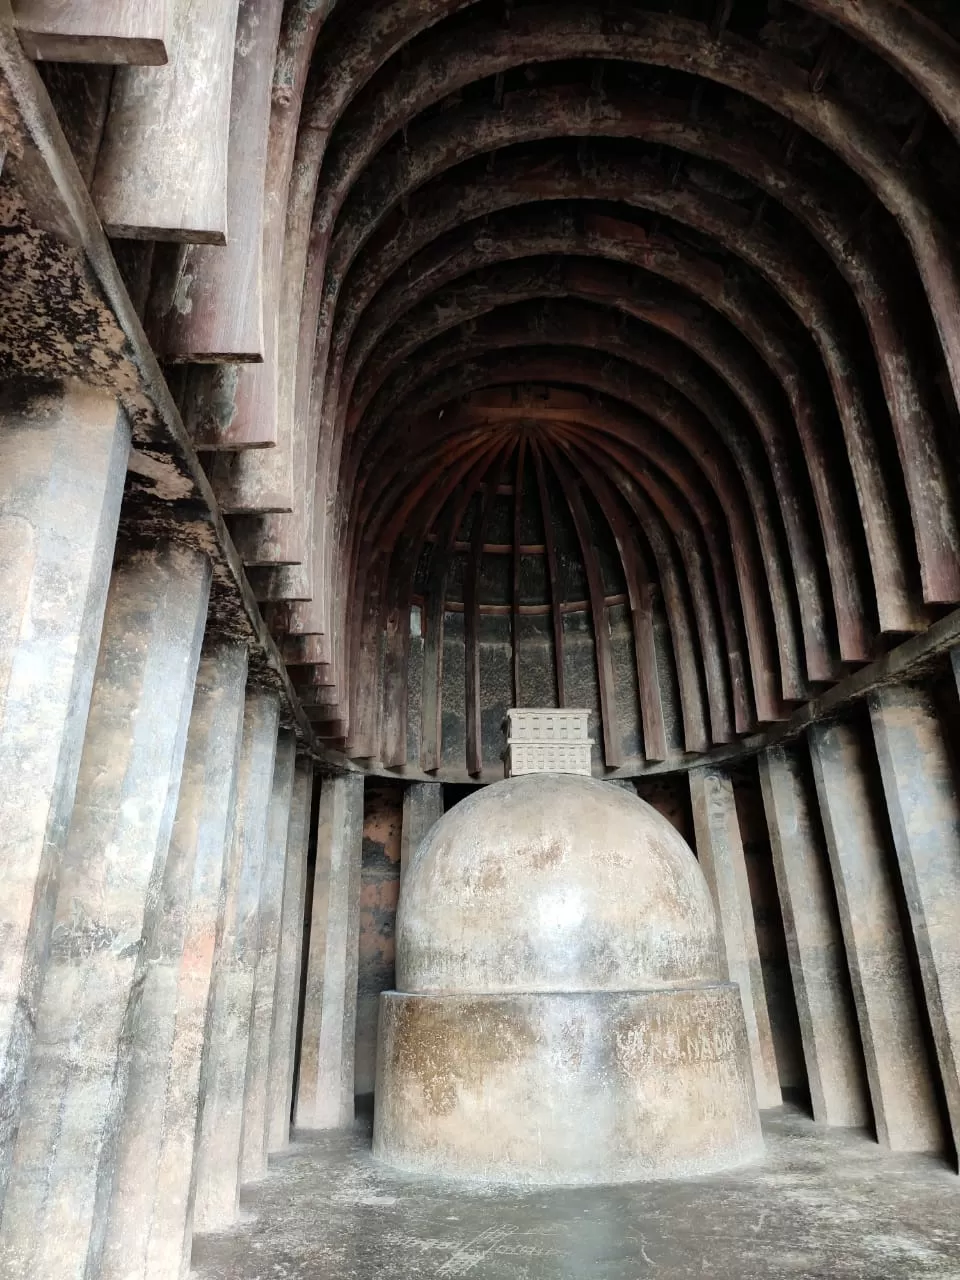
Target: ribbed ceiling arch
[676, 280]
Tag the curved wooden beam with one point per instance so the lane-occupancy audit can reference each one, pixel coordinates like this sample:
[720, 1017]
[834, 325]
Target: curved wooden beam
[670, 399]
[553, 576]
[606, 680]
[680, 265]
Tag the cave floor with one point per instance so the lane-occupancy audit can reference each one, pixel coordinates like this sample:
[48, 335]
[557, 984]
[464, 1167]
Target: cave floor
[825, 1203]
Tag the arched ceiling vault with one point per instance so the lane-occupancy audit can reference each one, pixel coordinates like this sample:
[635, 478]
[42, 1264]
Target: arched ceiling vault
[619, 359]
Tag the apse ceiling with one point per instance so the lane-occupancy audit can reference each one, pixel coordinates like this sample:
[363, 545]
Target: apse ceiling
[627, 344]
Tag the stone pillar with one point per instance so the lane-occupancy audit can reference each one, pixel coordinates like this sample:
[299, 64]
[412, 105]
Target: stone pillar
[325, 1093]
[62, 464]
[228, 1034]
[898, 1073]
[818, 965]
[720, 850]
[921, 792]
[148, 1236]
[253, 1147]
[422, 808]
[283, 1046]
[65, 1155]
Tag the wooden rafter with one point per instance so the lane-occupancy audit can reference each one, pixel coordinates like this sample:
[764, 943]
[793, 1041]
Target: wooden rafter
[471, 616]
[517, 552]
[431, 708]
[640, 595]
[552, 573]
[400, 594]
[612, 749]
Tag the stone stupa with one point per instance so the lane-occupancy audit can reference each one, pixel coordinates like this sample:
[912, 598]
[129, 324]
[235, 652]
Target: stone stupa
[559, 1016]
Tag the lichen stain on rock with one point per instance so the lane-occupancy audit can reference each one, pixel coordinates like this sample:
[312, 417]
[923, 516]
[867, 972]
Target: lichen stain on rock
[168, 480]
[54, 322]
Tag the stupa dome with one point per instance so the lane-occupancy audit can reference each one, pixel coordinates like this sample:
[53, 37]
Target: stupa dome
[560, 1016]
[554, 883]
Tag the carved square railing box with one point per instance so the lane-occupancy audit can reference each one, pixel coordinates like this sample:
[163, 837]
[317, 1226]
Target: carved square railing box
[547, 740]
[547, 724]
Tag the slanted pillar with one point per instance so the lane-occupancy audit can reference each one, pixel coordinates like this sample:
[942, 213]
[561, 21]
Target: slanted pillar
[228, 1034]
[720, 850]
[924, 808]
[325, 1093]
[422, 809]
[253, 1148]
[283, 1045]
[818, 965]
[113, 865]
[63, 459]
[898, 1072]
[148, 1232]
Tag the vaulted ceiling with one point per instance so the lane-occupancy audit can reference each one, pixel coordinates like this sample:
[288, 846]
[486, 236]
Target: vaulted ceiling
[627, 349]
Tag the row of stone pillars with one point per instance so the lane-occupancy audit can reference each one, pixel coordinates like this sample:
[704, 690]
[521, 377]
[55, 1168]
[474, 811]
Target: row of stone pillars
[325, 1091]
[864, 823]
[154, 832]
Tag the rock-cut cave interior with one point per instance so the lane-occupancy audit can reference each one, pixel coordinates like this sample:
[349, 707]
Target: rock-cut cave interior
[479, 639]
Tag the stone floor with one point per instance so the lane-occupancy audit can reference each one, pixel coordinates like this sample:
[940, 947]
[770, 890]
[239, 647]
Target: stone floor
[826, 1203]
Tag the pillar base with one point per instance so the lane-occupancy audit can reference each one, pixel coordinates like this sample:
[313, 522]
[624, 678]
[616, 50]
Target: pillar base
[570, 1089]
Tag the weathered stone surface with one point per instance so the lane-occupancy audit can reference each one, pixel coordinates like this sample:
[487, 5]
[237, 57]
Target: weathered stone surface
[720, 850]
[924, 807]
[283, 1042]
[325, 1087]
[219, 1139]
[210, 305]
[111, 31]
[62, 463]
[63, 1164]
[253, 1147]
[554, 882]
[422, 808]
[559, 1016]
[162, 171]
[821, 982]
[148, 1231]
[825, 1203]
[566, 1088]
[905, 1109]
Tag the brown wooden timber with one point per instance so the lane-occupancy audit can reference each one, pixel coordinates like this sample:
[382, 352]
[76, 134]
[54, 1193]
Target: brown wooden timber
[471, 618]
[721, 646]
[553, 575]
[535, 610]
[675, 261]
[363, 738]
[640, 596]
[517, 553]
[603, 648]
[605, 284]
[403, 567]
[738, 64]
[396, 652]
[696, 467]
[434, 605]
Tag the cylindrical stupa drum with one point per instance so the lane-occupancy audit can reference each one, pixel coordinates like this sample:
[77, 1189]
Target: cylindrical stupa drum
[559, 1016]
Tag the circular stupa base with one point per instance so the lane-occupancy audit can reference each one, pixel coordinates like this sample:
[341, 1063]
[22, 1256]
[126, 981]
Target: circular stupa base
[578, 1088]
